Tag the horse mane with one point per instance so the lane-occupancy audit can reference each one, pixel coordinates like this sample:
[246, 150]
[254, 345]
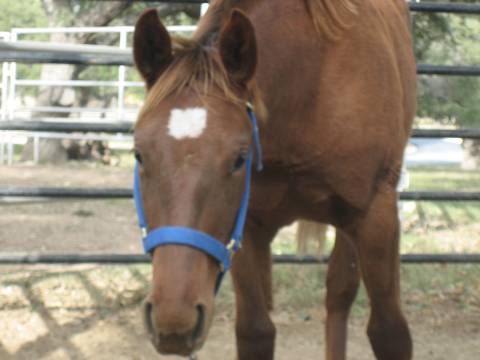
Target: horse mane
[197, 64]
[332, 17]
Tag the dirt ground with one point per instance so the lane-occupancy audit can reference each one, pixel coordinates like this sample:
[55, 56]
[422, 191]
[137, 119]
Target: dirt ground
[93, 312]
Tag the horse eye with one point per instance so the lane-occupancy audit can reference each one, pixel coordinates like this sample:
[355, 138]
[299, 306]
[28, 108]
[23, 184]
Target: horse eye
[138, 157]
[238, 164]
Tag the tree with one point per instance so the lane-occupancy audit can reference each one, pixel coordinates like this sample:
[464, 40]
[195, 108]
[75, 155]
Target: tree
[450, 40]
[75, 13]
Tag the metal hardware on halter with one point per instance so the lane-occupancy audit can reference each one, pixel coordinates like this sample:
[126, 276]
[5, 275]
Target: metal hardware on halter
[231, 246]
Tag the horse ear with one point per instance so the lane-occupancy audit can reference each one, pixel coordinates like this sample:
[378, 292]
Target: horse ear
[152, 46]
[238, 48]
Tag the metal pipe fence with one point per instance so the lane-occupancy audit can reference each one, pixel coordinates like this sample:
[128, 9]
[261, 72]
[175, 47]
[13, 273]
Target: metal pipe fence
[11, 85]
[126, 193]
[4, 36]
[44, 52]
[70, 259]
[127, 127]
[31, 52]
[455, 8]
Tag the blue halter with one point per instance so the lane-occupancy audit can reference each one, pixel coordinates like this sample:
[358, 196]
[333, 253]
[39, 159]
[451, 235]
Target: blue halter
[172, 235]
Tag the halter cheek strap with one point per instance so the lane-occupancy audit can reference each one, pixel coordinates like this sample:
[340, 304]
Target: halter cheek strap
[171, 235]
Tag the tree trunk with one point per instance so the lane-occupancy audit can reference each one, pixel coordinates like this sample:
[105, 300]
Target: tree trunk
[52, 150]
[311, 232]
[72, 13]
[471, 154]
[60, 13]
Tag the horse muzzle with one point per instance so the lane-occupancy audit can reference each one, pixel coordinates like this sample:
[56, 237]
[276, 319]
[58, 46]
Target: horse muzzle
[175, 330]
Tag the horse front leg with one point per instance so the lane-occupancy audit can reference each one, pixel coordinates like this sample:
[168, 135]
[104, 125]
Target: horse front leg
[343, 279]
[252, 272]
[376, 236]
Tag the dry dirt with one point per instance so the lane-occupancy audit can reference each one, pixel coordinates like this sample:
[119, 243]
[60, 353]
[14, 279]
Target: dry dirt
[93, 312]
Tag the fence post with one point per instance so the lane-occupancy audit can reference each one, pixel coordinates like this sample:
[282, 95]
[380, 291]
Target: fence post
[4, 99]
[9, 150]
[36, 149]
[2, 149]
[203, 8]
[121, 78]
[12, 77]
[4, 107]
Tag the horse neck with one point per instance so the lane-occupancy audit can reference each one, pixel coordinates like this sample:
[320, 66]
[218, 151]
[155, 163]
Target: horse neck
[284, 73]
[280, 65]
[217, 14]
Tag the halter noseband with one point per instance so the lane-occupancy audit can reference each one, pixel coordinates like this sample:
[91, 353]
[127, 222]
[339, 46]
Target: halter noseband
[173, 235]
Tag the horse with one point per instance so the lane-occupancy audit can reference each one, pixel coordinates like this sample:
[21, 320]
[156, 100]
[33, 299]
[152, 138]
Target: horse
[332, 87]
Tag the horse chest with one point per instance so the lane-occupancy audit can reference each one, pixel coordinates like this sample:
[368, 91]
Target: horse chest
[293, 196]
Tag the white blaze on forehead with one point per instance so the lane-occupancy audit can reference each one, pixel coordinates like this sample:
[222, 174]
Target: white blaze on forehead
[187, 123]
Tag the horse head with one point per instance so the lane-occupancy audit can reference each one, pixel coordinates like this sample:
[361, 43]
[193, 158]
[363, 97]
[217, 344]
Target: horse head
[193, 145]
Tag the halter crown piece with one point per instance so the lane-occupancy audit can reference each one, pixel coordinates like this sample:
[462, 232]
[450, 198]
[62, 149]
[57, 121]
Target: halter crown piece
[173, 235]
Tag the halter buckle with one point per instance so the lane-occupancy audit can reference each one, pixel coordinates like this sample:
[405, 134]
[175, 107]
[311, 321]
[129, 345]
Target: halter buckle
[231, 250]
[231, 247]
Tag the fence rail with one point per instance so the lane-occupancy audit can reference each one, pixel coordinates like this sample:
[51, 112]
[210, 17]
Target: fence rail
[32, 52]
[418, 7]
[453, 70]
[472, 133]
[459, 8]
[126, 127]
[54, 126]
[61, 259]
[126, 193]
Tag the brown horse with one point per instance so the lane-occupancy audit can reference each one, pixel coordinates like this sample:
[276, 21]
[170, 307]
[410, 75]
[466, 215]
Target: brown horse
[333, 85]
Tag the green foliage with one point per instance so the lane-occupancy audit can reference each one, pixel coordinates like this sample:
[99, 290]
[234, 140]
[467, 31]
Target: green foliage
[422, 179]
[28, 13]
[442, 226]
[21, 13]
[448, 40]
[428, 30]
[450, 100]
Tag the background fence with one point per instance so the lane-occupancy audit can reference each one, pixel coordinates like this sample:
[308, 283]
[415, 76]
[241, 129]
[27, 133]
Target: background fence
[29, 52]
[13, 50]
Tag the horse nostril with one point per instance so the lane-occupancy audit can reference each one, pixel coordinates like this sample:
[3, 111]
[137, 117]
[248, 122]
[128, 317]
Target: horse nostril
[199, 326]
[147, 318]
[173, 337]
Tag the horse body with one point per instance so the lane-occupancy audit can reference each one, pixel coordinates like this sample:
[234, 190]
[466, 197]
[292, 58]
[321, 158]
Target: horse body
[328, 109]
[337, 79]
